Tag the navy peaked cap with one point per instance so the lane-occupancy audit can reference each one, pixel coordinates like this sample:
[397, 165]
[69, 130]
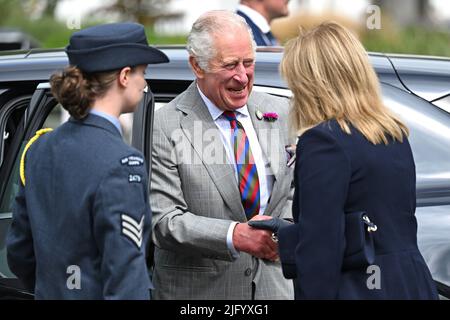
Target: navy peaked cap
[112, 46]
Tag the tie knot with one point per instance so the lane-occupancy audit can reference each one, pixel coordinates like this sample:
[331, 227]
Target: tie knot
[230, 115]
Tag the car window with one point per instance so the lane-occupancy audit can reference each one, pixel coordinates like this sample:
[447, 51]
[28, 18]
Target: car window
[5, 219]
[429, 136]
[11, 116]
[10, 129]
[443, 103]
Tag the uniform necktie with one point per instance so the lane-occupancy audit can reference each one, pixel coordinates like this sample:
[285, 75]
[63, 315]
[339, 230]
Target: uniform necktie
[246, 167]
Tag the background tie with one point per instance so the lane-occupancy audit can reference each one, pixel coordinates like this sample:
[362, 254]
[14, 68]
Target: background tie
[245, 166]
[273, 41]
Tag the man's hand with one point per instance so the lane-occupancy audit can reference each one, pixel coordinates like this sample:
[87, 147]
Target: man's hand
[256, 242]
[273, 224]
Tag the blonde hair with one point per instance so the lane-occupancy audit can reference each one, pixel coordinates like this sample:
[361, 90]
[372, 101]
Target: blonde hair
[330, 76]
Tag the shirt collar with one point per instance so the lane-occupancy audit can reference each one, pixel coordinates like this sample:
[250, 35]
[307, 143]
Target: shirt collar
[215, 111]
[256, 17]
[108, 117]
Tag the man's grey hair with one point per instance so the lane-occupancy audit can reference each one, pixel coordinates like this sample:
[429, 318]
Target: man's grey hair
[200, 42]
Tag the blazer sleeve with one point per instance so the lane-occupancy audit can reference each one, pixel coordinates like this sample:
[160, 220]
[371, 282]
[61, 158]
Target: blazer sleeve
[21, 257]
[121, 226]
[322, 177]
[174, 227]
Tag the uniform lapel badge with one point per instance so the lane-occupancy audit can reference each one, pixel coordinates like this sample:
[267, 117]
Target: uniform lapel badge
[132, 229]
[259, 114]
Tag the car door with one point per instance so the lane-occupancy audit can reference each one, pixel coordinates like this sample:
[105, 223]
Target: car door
[13, 103]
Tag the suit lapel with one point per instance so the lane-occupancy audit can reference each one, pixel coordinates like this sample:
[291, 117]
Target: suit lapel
[271, 141]
[204, 136]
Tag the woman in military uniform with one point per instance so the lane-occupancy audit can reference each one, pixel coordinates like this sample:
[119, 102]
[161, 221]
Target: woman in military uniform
[82, 219]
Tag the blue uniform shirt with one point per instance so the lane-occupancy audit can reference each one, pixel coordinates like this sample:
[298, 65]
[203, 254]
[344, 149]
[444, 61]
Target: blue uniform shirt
[108, 117]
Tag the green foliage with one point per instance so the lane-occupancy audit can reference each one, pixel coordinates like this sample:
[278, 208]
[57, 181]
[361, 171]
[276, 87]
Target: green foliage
[411, 40]
[54, 34]
[51, 33]
[154, 38]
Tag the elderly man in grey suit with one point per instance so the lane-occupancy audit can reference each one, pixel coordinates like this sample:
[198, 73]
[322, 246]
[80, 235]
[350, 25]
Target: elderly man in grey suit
[218, 161]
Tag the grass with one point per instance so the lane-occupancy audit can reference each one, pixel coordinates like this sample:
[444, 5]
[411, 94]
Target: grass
[412, 40]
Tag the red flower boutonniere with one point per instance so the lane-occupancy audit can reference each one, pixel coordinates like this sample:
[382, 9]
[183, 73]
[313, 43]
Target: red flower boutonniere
[268, 116]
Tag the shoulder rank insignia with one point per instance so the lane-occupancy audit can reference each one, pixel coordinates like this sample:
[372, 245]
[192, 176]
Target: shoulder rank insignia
[22, 159]
[133, 229]
[132, 161]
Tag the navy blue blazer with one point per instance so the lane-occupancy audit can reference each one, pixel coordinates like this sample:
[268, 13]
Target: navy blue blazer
[81, 223]
[261, 39]
[337, 173]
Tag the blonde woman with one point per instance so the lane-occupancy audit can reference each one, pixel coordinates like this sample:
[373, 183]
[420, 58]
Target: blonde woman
[353, 155]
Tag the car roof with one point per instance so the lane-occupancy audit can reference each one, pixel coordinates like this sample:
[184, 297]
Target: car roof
[38, 65]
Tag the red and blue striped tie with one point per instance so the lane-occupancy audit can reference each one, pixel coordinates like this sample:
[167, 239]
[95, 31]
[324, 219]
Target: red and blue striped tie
[245, 166]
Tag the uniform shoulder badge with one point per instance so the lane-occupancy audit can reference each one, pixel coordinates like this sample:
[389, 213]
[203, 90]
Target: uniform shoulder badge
[22, 159]
[132, 161]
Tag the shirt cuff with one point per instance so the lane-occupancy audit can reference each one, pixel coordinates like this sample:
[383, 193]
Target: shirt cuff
[230, 245]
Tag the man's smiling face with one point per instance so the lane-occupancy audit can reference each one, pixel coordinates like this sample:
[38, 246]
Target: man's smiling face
[229, 80]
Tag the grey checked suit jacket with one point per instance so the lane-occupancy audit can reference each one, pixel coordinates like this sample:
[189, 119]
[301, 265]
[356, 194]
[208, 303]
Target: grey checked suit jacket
[195, 197]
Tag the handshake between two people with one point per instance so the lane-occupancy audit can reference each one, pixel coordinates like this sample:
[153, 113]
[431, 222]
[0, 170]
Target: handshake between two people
[258, 236]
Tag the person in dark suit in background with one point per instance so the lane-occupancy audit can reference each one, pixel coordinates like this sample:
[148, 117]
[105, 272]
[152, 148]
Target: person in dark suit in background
[352, 155]
[82, 219]
[258, 14]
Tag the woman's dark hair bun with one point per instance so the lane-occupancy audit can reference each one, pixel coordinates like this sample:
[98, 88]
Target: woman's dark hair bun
[76, 91]
[71, 90]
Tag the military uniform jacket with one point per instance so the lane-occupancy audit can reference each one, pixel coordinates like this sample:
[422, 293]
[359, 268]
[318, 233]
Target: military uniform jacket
[82, 220]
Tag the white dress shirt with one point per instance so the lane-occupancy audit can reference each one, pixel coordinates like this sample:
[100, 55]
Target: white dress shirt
[265, 178]
[256, 17]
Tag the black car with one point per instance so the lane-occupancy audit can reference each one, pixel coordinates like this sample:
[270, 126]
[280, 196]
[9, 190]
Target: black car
[417, 88]
[15, 39]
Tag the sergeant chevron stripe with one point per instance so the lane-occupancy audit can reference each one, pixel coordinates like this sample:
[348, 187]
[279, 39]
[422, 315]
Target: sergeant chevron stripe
[132, 229]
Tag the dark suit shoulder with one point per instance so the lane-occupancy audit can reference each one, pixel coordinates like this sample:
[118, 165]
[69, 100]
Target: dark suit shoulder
[333, 130]
[94, 148]
[327, 130]
[257, 33]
